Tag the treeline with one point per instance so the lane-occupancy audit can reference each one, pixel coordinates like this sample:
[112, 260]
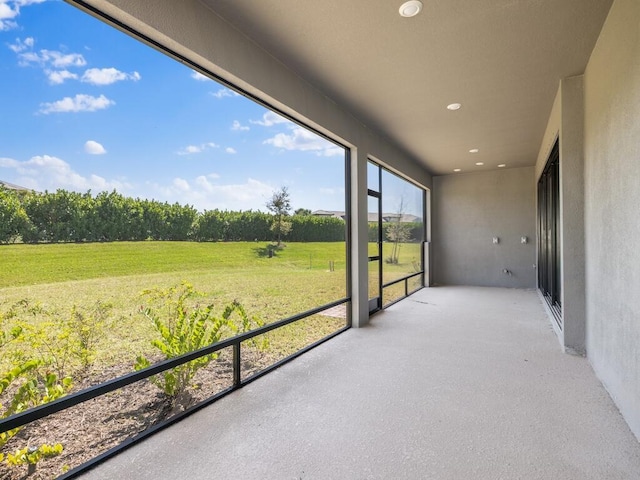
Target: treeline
[64, 216]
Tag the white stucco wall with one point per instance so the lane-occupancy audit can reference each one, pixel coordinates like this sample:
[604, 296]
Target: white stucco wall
[468, 211]
[612, 208]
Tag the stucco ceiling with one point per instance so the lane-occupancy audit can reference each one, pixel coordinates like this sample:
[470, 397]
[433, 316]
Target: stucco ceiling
[501, 59]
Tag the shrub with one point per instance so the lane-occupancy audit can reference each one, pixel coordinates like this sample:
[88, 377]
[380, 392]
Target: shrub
[183, 328]
[25, 384]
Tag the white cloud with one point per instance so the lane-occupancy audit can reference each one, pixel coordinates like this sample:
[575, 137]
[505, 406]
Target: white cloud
[225, 92]
[45, 172]
[238, 127]
[55, 65]
[269, 119]
[304, 140]
[8, 162]
[107, 76]
[200, 77]
[181, 184]
[7, 14]
[52, 58]
[10, 9]
[206, 193]
[94, 148]
[57, 77]
[21, 45]
[79, 103]
[191, 149]
[230, 150]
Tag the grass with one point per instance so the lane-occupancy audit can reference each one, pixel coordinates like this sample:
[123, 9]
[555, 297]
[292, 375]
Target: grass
[59, 276]
[52, 263]
[296, 279]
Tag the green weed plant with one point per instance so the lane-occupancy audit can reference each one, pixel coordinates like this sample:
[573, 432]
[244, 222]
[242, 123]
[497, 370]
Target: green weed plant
[25, 384]
[183, 327]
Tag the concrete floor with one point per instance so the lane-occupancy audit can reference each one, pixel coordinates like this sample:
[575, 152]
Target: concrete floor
[451, 383]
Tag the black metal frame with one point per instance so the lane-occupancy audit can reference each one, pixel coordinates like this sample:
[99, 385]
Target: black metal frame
[74, 399]
[37, 413]
[404, 279]
[549, 224]
[378, 194]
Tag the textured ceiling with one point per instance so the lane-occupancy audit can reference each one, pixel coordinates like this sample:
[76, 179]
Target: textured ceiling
[501, 59]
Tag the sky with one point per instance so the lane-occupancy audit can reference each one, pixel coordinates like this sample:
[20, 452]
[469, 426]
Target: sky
[84, 106]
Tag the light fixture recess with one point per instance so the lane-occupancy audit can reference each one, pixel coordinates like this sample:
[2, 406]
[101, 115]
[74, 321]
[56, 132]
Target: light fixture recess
[479, 163]
[454, 106]
[457, 169]
[410, 8]
[474, 150]
[502, 165]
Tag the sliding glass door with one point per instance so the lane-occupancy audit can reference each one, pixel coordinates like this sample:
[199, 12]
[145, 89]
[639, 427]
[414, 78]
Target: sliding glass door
[549, 258]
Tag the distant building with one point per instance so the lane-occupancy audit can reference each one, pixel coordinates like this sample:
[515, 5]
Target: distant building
[372, 217]
[329, 214]
[11, 186]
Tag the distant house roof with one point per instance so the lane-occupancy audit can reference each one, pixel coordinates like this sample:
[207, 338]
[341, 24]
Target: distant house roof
[329, 213]
[11, 186]
[372, 217]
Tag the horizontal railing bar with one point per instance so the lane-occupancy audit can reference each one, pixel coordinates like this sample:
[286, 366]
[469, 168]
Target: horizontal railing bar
[156, 428]
[73, 399]
[387, 305]
[176, 418]
[398, 280]
[281, 323]
[281, 362]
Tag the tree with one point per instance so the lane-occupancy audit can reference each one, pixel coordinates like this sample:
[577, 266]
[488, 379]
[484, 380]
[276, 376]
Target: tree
[397, 232]
[13, 218]
[302, 211]
[279, 204]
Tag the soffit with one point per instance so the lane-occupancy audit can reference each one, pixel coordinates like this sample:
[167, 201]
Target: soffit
[501, 59]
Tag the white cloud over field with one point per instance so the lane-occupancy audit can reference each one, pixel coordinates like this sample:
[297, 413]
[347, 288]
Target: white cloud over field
[206, 192]
[304, 140]
[46, 172]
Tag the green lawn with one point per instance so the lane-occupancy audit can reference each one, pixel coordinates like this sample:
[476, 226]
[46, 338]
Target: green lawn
[61, 276]
[53, 263]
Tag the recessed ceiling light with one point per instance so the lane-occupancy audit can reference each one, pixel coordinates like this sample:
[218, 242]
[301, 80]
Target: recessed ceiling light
[410, 8]
[454, 106]
[502, 165]
[457, 169]
[479, 163]
[474, 150]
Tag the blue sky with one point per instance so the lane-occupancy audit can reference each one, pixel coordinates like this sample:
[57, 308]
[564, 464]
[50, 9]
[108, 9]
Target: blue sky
[84, 106]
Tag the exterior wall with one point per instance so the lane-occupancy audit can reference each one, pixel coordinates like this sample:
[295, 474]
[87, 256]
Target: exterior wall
[566, 124]
[468, 211]
[572, 211]
[612, 212]
[197, 33]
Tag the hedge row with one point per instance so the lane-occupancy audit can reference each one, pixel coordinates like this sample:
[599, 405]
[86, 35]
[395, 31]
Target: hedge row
[415, 231]
[64, 216]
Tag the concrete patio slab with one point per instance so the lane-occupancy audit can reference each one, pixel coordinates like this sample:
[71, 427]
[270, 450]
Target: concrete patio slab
[451, 383]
